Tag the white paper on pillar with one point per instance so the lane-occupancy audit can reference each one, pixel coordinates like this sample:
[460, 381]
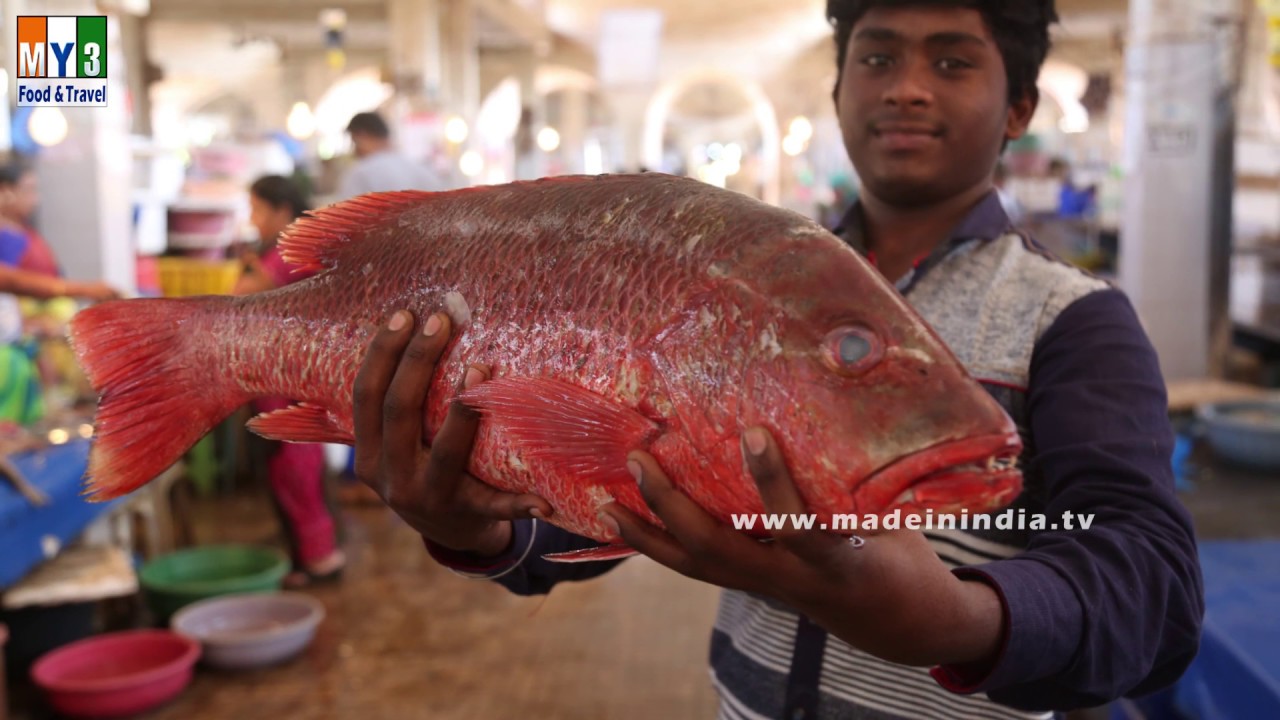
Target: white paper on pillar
[630, 43]
[1164, 257]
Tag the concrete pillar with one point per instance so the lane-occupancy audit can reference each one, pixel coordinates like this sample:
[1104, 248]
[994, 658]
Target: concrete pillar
[461, 61]
[133, 36]
[415, 56]
[529, 162]
[572, 126]
[86, 184]
[630, 106]
[1173, 120]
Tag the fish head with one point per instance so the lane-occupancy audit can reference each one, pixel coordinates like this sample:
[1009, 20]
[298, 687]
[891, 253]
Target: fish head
[870, 408]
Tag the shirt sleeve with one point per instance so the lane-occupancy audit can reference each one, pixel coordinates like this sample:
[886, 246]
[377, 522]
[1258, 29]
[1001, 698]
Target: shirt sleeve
[521, 568]
[352, 183]
[281, 272]
[1092, 615]
[13, 245]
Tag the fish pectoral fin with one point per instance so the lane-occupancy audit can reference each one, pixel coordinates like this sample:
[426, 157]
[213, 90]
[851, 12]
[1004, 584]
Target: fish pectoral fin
[579, 433]
[596, 554]
[301, 423]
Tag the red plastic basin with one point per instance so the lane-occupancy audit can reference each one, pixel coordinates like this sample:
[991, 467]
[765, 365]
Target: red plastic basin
[117, 674]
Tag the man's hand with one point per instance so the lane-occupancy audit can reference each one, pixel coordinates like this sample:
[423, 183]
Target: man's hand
[893, 597]
[429, 488]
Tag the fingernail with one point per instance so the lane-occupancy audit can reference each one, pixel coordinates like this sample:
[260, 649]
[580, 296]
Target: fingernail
[756, 441]
[536, 514]
[472, 379]
[636, 471]
[398, 321]
[609, 522]
[433, 326]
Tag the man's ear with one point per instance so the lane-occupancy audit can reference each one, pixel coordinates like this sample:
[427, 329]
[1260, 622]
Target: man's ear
[1020, 113]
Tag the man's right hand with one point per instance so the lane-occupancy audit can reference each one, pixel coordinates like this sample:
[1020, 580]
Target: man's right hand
[429, 488]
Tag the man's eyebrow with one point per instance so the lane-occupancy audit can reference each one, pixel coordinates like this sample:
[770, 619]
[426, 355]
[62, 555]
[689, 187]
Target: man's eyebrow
[955, 38]
[879, 34]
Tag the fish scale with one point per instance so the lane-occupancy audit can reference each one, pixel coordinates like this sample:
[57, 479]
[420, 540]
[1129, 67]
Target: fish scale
[616, 313]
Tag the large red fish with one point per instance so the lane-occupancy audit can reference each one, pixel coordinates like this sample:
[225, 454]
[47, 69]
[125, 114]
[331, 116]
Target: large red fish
[617, 312]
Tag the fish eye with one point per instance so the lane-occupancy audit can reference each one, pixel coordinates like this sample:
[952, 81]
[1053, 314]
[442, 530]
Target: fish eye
[852, 350]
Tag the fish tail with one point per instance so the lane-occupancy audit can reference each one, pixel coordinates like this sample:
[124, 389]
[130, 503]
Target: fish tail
[157, 393]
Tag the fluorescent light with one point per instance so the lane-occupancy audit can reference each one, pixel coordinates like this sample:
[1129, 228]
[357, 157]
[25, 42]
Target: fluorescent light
[548, 139]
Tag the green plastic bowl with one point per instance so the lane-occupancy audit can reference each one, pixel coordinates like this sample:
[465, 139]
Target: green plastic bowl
[171, 582]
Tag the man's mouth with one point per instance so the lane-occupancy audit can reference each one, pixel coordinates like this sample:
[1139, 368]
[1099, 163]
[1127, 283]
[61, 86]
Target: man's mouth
[900, 136]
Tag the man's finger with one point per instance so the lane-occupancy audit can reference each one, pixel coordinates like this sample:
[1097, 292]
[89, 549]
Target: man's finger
[780, 497]
[492, 503]
[371, 387]
[650, 540]
[686, 521]
[403, 407]
[451, 447]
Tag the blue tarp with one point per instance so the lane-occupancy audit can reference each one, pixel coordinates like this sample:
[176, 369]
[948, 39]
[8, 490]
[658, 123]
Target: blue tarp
[1236, 675]
[58, 471]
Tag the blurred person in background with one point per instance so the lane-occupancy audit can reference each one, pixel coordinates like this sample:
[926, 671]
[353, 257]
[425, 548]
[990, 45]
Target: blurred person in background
[1073, 201]
[21, 192]
[1000, 623]
[295, 471]
[379, 166]
[35, 303]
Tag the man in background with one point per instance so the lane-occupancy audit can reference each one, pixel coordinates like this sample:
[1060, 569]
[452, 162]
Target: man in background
[379, 166]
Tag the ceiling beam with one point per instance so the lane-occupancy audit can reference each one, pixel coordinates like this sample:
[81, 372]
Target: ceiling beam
[249, 11]
[517, 21]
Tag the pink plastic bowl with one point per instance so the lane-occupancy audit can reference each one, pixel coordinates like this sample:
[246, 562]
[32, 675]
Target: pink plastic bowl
[117, 674]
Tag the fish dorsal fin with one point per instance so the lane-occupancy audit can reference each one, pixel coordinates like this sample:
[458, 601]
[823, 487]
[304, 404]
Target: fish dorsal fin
[581, 434]
[315, 241]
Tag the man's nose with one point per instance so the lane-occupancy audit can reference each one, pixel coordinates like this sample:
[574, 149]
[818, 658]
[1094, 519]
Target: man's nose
[911, 86]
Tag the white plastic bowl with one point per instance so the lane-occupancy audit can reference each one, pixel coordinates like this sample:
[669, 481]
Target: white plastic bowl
[254, 630]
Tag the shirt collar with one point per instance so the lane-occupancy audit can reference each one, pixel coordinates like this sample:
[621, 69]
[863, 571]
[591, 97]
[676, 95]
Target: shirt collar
[986, 221]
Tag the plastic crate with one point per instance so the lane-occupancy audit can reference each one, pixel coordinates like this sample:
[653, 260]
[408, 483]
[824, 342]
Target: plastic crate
[183, 277]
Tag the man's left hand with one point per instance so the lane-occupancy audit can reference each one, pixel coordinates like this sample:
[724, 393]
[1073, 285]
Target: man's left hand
[892, 597]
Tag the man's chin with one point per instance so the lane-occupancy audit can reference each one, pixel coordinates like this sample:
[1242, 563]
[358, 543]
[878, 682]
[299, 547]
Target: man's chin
[907, 190]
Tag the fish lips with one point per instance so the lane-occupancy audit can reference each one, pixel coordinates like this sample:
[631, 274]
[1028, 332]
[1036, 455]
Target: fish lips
[978, 474]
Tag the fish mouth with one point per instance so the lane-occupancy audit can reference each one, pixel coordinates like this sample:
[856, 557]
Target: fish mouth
[978, 474]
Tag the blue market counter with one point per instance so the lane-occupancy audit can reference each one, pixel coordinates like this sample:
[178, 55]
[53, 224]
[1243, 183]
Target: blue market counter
[28, 533]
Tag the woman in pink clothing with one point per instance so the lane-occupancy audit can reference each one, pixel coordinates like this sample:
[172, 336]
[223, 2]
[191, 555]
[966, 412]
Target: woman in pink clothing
[296, 470]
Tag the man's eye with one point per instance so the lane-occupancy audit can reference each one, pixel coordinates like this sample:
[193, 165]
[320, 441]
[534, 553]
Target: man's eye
[953, 64]
[876, 61]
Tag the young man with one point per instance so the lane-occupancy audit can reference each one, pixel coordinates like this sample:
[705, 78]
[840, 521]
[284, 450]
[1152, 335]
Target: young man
[937, 624]
[379, 167]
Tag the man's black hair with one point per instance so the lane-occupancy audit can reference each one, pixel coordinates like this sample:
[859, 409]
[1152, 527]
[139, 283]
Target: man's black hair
[12, 172]
[1020, 28]
[370, 124]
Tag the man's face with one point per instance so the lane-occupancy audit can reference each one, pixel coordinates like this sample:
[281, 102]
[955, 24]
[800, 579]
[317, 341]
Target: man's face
[26, 197]
[362, 144]
[923, 103]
